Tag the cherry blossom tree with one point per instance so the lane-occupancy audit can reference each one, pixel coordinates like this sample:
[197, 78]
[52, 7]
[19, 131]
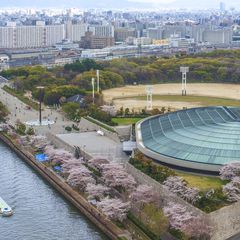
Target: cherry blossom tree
[115, 176]
[97, 163]
[144, 194]
[232, 190]
[80, 177]
[230, 170]
[71, 164]
[57, 156]
[114, 209]
[39, 141]
[179, 186]
[180, 218]
[97, 192]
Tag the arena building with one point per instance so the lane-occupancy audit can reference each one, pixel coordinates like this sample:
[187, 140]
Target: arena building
[199, 139]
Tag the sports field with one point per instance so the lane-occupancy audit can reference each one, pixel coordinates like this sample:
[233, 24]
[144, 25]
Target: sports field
[165, 95]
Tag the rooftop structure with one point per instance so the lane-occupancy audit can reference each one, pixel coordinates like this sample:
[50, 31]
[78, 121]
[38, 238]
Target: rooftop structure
[200, 138]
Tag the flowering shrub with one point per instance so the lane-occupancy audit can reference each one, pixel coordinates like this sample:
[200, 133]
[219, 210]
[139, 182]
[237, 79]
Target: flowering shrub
[232, 190]
[97, 192]
[229, 171]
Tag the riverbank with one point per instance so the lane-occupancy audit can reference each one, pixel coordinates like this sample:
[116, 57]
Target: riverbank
[110, 229]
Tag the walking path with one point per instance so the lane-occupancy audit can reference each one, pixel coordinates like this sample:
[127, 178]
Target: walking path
[19, 110]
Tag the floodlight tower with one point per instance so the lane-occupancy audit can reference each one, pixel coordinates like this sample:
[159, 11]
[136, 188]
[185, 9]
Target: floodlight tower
[98, 75]
[93, 90]
[149, 90]
[184, 71]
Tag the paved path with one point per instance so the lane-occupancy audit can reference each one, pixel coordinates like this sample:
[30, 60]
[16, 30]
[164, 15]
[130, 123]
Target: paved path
[18, 110]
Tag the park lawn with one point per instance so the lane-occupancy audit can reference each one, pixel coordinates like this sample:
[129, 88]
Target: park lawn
[203, 100]
[203, 183]
[125, 121]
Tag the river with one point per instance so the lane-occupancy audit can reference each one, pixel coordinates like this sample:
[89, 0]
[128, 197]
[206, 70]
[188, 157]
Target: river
[40, 213]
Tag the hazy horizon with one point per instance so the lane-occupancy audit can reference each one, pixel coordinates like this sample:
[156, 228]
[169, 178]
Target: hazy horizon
[194, 4]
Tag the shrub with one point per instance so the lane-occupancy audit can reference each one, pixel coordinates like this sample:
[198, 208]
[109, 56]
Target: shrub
[69, 129]
[157, 172]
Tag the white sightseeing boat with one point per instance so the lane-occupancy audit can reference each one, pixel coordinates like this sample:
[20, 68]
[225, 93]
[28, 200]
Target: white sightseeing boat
[5, 210]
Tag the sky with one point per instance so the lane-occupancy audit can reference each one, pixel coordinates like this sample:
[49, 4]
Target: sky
[194, 4]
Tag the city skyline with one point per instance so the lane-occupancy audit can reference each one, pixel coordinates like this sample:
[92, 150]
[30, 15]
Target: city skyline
[120, 4]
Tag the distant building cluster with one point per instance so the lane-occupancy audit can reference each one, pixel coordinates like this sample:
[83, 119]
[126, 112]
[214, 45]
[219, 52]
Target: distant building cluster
[60, 37]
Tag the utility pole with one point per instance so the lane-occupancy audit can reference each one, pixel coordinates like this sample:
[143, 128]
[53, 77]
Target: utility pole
[93, 90]
[184, 71]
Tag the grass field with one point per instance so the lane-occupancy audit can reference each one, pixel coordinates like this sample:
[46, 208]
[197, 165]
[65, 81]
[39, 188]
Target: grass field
[169, 95]
[201, 100]
[203, 183]
[125, 121]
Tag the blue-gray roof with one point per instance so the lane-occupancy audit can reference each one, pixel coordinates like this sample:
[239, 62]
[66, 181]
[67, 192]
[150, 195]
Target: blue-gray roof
[207, 135]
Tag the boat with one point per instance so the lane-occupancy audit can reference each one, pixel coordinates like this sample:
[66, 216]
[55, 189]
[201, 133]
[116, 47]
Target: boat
[5, 210]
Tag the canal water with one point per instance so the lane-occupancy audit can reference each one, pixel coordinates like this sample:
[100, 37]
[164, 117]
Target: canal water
[40, 213]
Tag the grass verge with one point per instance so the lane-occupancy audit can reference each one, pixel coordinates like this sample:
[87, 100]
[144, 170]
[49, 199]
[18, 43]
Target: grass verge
[203, 183]
[202, 100]
[125, 121]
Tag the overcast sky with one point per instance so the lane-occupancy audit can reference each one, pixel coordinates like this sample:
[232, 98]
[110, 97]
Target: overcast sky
[118, 4]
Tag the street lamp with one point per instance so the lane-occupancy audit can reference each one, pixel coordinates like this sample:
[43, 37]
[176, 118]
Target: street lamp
[41, 95]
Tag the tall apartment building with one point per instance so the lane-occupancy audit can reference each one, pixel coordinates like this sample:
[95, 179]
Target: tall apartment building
[75, 32]
[121, 34]
[155, 33]
[13, 36]
[102, 30]
[218, 36]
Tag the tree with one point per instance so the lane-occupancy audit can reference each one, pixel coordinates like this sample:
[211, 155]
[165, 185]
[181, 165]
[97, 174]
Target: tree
[71, 109]
[230, 170]
[179, 186]
[114, 208]
[232, 190]
[97, 192]
[180, 218]
[80, 177]
[97, 163]
[144, 194]
[114, 175]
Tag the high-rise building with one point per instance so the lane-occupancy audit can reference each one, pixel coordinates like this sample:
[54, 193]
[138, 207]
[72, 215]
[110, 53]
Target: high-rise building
[222, 7]
[102, 30]
[39, 35]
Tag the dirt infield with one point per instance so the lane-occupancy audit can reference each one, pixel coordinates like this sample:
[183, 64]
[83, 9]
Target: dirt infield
[231, 91]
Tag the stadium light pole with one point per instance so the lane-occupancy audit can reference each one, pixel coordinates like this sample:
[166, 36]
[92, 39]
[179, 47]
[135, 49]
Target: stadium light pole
[41, 95]
[98, 76]
[149, 90]
[184, 71]
[93, 90]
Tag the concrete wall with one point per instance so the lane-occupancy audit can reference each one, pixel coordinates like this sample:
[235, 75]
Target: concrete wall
[226, 222]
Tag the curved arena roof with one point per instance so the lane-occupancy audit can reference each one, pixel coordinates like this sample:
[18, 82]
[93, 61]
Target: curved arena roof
[199, 138]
